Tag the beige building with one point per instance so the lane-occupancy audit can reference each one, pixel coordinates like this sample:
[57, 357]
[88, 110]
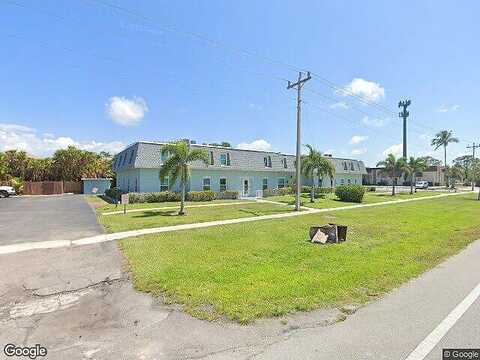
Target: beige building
[435, 175]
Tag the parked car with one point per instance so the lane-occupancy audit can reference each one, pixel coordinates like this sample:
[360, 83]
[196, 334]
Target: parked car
[6, 191]
[421, 184]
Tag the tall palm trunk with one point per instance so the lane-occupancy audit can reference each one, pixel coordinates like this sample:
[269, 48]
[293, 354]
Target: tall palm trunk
[445, 165]
[393, 184]
[182, 200]
[312, 191]
[411, 183]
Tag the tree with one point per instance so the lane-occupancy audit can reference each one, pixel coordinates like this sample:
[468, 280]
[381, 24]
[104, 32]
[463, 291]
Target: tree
[392, 167]
[443, 138]
[17, 162]
[3, 167]
[316, 164]
[177, 166]
[431, 161]
[411, 167]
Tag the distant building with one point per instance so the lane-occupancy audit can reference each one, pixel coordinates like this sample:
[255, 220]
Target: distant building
[435, 175]
[246, 171]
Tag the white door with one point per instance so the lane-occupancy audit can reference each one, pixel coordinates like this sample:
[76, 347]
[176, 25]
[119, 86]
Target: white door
[246, 187]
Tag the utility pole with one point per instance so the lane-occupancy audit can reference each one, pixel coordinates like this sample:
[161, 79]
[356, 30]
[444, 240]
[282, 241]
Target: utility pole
[404, 114]
[473, 147]
[299, 85]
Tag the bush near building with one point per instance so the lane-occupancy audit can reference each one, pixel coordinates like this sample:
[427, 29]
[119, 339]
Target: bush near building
[350, 193]
[170, 196]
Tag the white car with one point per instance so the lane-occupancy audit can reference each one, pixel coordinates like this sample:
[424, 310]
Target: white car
[6, 191]
[421, 184]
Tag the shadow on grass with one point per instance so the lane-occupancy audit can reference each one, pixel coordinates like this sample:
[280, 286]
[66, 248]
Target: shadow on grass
[260, 213]
[153, 213]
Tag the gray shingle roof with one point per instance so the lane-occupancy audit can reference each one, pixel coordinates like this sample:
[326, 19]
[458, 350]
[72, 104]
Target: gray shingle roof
[147, 155]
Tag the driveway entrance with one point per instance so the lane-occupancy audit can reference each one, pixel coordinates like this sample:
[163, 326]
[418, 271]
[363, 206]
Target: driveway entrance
[44, 218]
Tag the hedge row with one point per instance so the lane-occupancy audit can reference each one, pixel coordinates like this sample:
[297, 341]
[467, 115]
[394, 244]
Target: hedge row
[164, 196]
[350, 193]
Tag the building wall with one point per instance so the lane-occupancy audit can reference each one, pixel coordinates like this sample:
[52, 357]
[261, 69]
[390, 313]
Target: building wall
[128, 180]
[235, 179]
[148, 180]
[96, 187]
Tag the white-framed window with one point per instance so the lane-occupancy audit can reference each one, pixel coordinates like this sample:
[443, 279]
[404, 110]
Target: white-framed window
[345, 167]
[352, 166]
[342, 181]
[164, 184]
[206, 184]
[267, 161]
[284, 162]
[264, 183]
[281, 183]
[225, 159]
[349, 181]
[165, 156]
[223, 184]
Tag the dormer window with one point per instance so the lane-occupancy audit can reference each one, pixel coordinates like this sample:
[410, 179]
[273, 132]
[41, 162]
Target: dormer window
[225, 159]
[165, 156]
[212, 161]
[345, 167]
[267, 161]
[284, 162]
[351, 166]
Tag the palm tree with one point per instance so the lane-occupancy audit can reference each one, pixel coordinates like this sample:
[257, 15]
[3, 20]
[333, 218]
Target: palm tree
[316, 164]
[443, 138]
[393, 167]
[180, 155]
[411, 167]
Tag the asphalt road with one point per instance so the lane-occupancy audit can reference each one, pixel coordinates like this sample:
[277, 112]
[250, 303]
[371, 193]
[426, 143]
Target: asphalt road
[394, 326]
[43, 218]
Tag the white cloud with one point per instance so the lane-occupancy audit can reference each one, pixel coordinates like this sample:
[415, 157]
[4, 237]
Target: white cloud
[360, 151]
[375, 122]
[425, 136]
[339, 105]
[260, 144]
[357, 139]
[254, 106]
[396, 150]
[126, 112]
[13, 136]
[369, 90]
[329, 151]
[445, 108]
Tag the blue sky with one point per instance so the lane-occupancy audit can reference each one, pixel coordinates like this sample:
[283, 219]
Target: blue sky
[83, 73]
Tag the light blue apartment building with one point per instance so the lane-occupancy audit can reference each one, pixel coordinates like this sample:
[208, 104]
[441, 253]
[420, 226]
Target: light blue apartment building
[246, 171]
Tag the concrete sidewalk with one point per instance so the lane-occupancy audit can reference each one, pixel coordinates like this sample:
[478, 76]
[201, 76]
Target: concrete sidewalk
[9, 249]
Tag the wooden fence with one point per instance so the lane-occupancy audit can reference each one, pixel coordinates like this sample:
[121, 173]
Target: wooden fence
[73, 187]
[51, 187]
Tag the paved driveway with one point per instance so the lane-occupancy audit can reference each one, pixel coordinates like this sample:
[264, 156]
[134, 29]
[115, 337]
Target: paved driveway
[27, 219]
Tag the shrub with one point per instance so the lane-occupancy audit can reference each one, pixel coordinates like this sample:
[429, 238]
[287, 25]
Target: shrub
[227, 195]
[285, 191]
[269, 192]
[306, 189]
[201, 196]
[153, 197]
[370, 188]
[114, 193]
[350, 193]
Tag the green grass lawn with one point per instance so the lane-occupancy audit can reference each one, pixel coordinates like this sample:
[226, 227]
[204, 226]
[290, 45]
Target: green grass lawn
[101, 205]
[331, 201]
[157, 218]
[269, 268]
